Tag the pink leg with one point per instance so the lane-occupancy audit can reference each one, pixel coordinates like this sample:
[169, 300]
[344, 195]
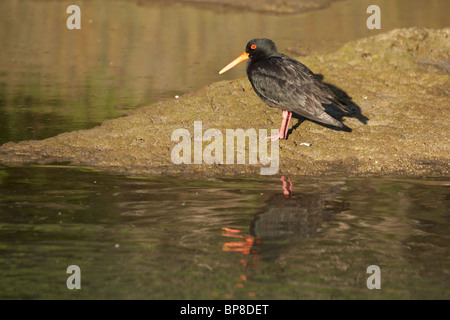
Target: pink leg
[284, 126]
[289, 115]
[287, 189]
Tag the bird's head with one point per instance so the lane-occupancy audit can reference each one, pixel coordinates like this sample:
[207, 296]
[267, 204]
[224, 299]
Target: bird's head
[256, 49]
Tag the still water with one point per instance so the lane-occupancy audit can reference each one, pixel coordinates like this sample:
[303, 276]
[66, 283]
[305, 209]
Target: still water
[171, 238]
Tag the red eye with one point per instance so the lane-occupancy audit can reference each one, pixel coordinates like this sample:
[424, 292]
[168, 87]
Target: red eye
[253, 46]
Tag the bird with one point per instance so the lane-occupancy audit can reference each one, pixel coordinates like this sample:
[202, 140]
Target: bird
[285, 83]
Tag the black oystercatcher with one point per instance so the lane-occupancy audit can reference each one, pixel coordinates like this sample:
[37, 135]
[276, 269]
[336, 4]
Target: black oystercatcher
[284, 83]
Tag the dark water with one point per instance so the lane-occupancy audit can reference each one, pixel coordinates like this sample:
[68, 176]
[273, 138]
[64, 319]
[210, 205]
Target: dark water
[171, 238]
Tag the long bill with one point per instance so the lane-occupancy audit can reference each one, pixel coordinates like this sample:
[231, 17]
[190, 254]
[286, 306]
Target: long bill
[235, 62]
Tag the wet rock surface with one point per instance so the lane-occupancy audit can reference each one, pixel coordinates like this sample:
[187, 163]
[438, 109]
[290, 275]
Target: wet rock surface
[399, 81]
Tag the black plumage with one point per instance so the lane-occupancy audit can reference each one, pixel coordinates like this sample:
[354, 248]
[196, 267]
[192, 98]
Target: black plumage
[285, 83]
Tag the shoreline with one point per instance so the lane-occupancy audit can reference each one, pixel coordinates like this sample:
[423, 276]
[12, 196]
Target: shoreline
[399, 80]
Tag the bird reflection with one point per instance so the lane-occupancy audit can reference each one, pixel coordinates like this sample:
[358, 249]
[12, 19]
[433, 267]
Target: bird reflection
[293, 216]
[296, 215]
[287, 186]
[286, 216]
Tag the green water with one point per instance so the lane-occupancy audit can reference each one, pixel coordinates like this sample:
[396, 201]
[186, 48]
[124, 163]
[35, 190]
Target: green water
[171, 238]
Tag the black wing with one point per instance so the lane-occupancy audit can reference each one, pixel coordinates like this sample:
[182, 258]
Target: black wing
[287, 84]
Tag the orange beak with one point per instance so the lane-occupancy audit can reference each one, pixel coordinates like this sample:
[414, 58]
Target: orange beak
[235, 62]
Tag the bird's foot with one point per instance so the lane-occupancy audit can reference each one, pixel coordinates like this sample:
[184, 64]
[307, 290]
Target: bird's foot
[276, 137]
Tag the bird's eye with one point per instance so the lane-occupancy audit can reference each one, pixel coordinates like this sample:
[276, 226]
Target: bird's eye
[253, 47]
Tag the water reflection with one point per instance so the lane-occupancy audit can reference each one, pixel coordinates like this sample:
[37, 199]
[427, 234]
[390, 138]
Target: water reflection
[285, 216]
[173, 238]
[298, 216]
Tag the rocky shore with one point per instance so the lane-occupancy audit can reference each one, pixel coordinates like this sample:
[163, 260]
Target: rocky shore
[399, 84]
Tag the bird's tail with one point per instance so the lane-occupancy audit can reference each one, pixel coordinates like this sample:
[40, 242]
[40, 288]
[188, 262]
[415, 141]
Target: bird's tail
[342, 106]
[327, 119]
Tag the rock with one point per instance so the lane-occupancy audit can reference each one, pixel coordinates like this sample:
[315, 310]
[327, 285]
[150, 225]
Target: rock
[271, 6]
[399, 80]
